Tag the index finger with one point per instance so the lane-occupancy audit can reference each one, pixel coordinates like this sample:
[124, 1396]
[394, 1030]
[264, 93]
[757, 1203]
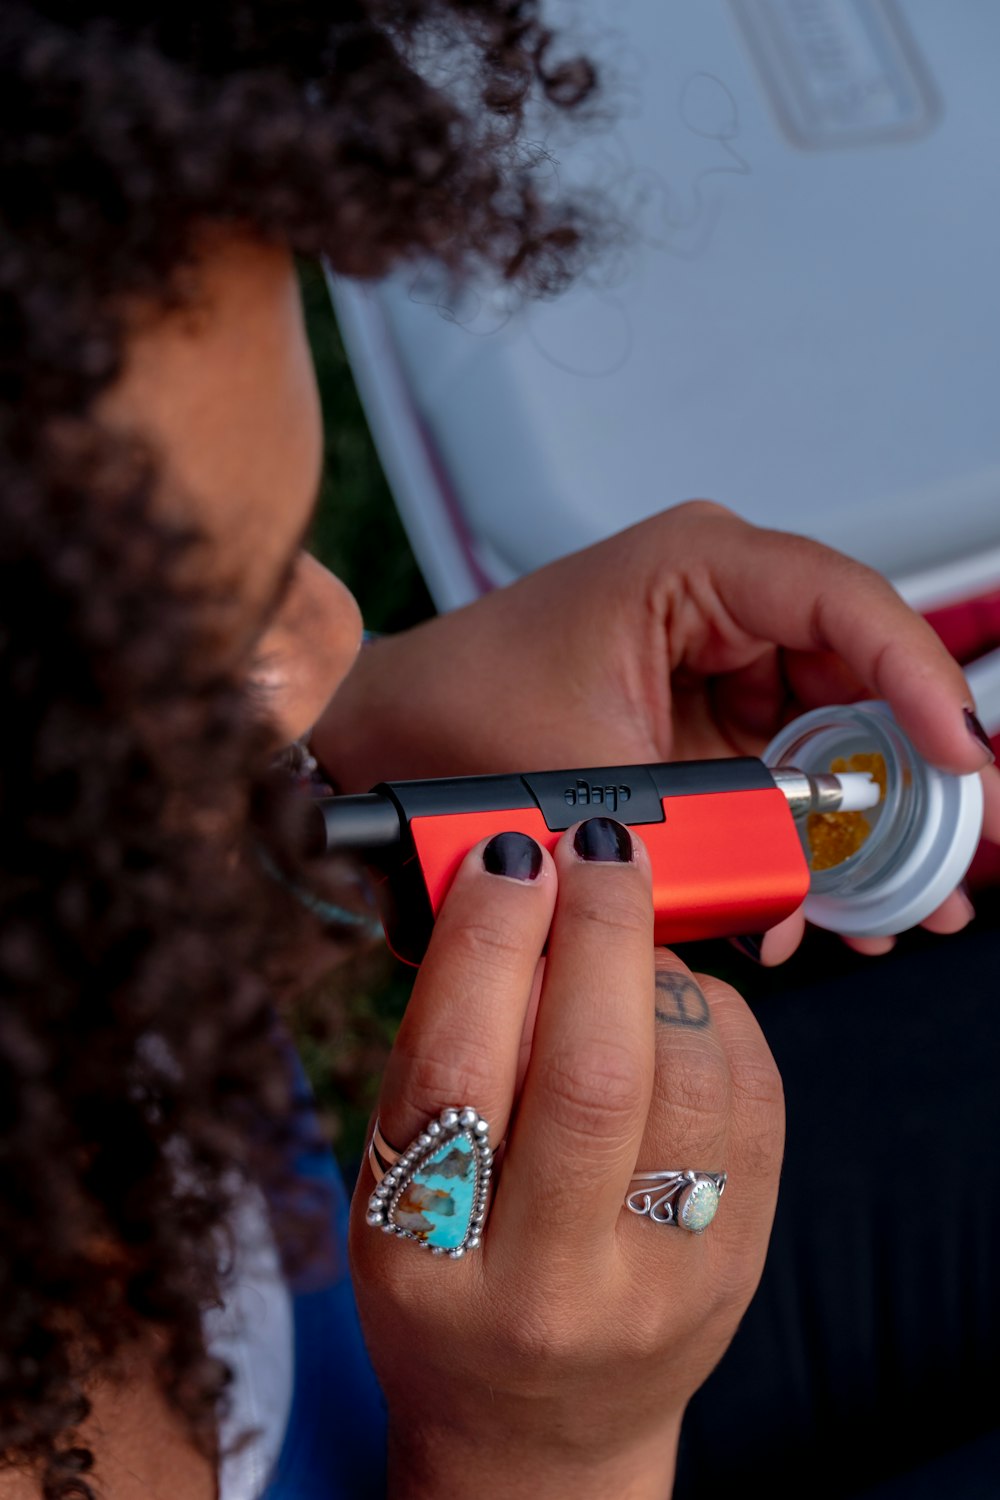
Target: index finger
[459, 1040]
[830, 602]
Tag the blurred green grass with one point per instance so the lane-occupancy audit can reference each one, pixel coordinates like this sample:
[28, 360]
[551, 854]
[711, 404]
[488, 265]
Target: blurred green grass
[357, 531]
[345, 1025]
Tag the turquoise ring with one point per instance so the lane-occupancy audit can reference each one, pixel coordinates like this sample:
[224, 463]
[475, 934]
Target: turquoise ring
[685, 1200]
[435, 1192]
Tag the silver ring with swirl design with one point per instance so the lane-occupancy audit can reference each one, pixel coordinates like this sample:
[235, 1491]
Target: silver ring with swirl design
[683, 1199]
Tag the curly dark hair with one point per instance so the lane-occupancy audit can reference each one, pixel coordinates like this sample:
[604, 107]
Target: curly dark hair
[141, 1083]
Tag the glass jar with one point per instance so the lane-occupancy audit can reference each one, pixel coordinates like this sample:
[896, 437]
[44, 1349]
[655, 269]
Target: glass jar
[921, 837]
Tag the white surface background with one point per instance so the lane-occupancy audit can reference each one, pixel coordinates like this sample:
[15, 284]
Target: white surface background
[809, 335]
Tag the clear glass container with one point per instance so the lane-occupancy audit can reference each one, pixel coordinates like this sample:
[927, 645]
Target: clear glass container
[921, 837]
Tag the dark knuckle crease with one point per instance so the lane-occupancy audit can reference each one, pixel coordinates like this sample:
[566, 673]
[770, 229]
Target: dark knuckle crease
[700, 1088]
[760, 1152]
[487, 946]
[601, 1083]
[621, 912]
[434, 1081]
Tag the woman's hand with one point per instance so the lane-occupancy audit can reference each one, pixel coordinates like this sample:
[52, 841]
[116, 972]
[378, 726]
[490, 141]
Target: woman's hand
[557, 1359]
[693, 634]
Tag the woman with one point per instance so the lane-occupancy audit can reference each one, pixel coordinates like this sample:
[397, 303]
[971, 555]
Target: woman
[163, 634]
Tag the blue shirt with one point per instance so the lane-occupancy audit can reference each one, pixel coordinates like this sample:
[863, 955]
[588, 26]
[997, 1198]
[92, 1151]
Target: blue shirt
[334, 1444]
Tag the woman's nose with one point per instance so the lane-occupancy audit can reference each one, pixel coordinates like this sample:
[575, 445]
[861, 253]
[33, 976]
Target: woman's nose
[307, 650]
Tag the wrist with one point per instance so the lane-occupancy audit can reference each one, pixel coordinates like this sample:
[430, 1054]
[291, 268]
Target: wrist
[435, 1464]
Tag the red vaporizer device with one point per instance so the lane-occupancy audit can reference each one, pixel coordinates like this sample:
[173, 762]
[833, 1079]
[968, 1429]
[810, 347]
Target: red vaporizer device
[722, 837]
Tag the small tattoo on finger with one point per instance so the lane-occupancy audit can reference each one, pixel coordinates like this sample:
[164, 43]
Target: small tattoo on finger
[679, 1001]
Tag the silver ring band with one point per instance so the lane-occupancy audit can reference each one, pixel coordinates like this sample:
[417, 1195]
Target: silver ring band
[381, 1156]
[683, 1199]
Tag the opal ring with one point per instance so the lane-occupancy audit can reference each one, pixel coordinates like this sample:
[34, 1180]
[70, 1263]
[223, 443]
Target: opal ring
[687, 1200]
[435, 1191]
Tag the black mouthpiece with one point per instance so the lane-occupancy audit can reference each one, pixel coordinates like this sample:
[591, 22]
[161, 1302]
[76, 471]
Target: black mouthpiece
[362, 825]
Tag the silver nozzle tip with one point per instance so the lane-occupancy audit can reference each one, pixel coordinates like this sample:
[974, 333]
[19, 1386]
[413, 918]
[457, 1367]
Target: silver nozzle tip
[827, 791]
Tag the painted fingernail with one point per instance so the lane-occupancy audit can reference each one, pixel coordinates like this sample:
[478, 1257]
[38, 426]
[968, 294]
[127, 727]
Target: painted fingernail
[514, 855]
[978, 733]
[603, 840]
[750, 943]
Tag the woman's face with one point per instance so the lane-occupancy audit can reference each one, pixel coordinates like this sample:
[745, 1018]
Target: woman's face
[225, 388]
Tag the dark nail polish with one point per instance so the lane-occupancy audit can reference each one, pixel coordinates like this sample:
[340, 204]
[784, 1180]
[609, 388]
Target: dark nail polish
[604, 840]
[750, 943]
[513, 855]
[978, 733]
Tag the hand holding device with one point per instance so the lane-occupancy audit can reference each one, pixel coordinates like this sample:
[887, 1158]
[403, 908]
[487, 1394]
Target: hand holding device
[691, 635]
[723, 836]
